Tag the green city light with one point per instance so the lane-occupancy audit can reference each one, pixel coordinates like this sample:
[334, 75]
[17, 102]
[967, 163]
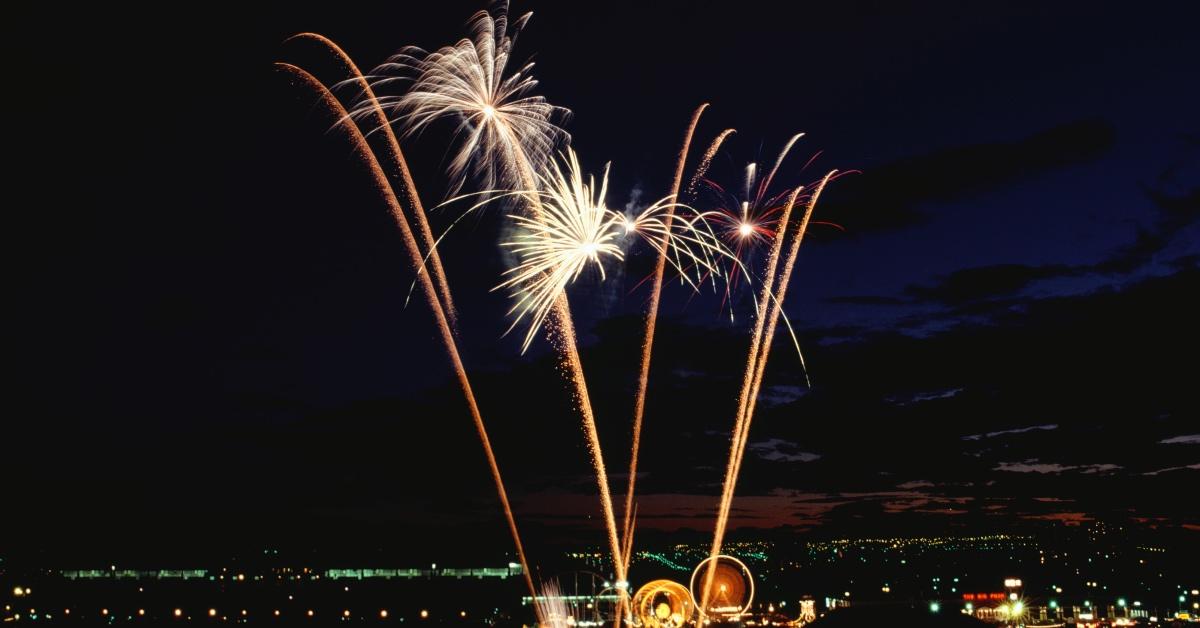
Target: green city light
[934, 607]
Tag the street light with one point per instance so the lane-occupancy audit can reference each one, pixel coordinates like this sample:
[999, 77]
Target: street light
[934, 607]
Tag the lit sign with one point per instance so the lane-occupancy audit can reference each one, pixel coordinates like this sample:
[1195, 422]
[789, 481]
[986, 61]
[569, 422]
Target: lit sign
[984, 597]
[1012, 583]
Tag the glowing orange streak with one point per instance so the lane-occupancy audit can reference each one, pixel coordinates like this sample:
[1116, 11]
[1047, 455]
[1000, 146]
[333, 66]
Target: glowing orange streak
[702, 169]
[639, 400]
[385, 188]
[627, 549]
[563, 327]
[739, 431]
[758, 364]
[397, 157]
[777, 308]
[706, 161]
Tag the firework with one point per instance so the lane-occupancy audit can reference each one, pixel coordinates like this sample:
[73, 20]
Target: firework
[706, 161]
[359, 141]
[505, 137]
[749, 217]
[476, 84]
[770, 308]
[570, 229]
[639, 404]
[506, 134]
[736, 444]
[552, 608]
[574, 231]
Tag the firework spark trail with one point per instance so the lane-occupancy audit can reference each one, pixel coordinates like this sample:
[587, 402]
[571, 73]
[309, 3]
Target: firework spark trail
[747, 381]
[766, 183]
[506, 133]
[693, 186]
[563, 333]
[706, 161]
[758, 364]
[639, 403]
[397, 157]
[381, 181]
[568, 230]
[777, 307]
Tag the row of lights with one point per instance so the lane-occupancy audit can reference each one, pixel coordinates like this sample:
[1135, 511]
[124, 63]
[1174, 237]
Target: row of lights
[212, 612]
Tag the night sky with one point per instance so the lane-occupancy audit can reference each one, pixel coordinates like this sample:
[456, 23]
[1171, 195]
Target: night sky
[210, 342]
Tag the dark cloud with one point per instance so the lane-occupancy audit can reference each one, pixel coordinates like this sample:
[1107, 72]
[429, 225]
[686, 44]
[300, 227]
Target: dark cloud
[867, 300]
[1018, 430]
[890, 196]
[1034, 465]
[780, 450]
[971, 284]
[1174, 212]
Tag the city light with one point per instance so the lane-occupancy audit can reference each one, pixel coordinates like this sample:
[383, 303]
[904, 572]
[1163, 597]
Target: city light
[1053, 604]
[424, 614]
[141, 612]
[104, 611]
[1012, 583]
[934, 607]
[383, 614]
[1120, 601]
[346, 613]
[212, 612]
[18, 591]
[310, 612]
[179, 612]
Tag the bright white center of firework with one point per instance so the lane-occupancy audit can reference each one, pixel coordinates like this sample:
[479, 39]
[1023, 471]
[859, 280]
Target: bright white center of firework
[745, 229]
[489, 111]
[589, 248]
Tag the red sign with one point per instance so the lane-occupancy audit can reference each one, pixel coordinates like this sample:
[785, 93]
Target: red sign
[984, 597]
